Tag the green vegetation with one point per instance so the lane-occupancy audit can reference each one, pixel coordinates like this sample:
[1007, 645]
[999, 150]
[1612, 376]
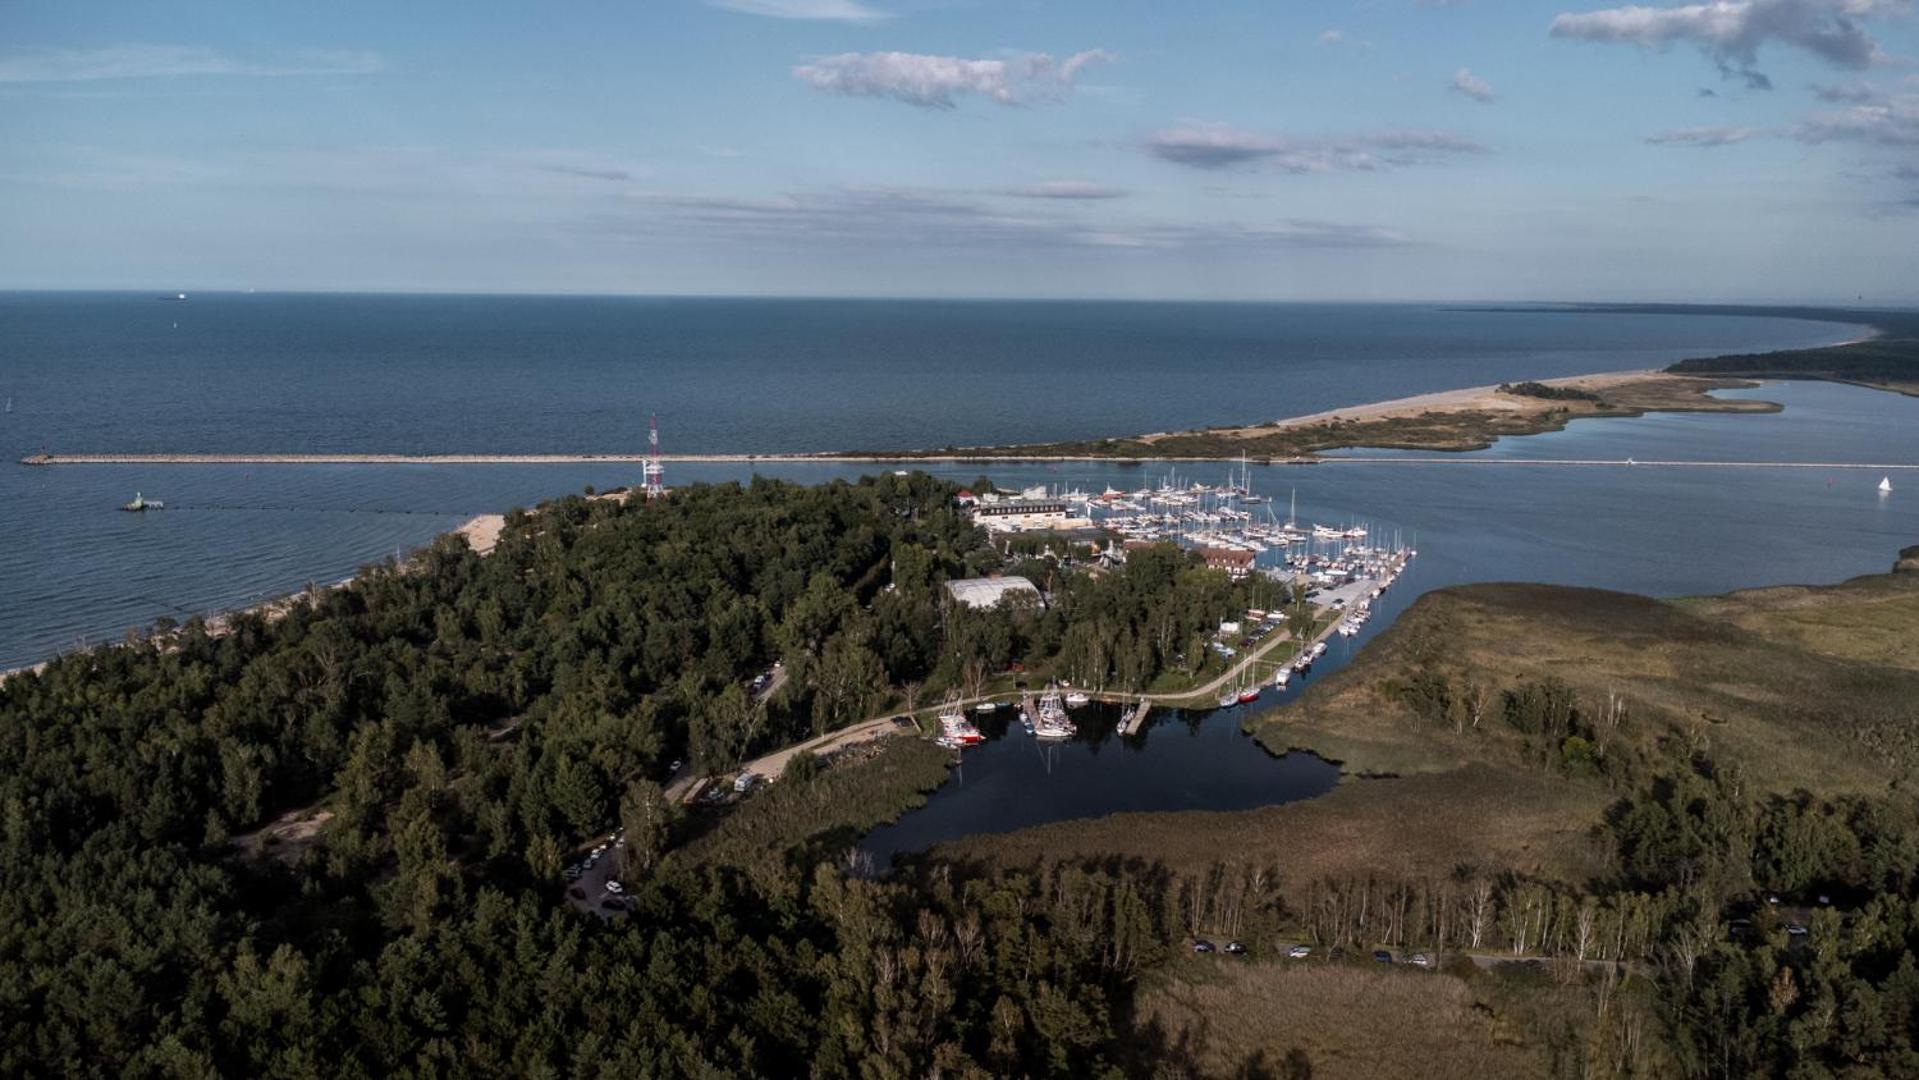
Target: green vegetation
[1355, 1021]
[1708, 796]
[816, 812]
[1550, 393]
[1886, 363]
[1468, 426]
[456, 725]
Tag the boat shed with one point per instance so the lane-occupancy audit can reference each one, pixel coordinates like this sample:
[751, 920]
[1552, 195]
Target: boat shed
[987, 592]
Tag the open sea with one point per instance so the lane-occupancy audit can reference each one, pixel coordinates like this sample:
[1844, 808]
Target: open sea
[236, 373]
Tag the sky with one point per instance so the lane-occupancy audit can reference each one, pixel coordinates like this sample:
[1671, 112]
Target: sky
[1761, 150]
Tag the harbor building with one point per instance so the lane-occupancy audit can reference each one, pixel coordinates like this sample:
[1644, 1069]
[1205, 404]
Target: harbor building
[1024, 515]
[1236, 562]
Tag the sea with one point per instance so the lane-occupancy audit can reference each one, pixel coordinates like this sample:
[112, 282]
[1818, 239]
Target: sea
[118, 372]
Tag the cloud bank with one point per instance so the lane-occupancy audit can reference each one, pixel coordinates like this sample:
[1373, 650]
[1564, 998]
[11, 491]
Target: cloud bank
[936, 82]
[827, 10]
[1731, 32]
[1702, 136]
[1067, 189]
[859, 218]
[169, 61]
[1893, 122]
[1219, 146]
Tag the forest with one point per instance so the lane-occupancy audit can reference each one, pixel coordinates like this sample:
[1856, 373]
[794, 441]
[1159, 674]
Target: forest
[468, 722]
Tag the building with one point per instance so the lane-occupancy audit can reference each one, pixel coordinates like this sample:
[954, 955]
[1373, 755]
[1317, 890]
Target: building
[986, 592]
[1236, 563]
[1019, 515]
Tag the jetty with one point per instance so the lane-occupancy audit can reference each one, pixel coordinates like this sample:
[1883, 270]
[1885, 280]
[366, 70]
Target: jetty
[1135, 719]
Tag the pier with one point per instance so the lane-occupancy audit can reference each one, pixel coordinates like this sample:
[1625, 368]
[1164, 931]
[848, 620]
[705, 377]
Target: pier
[1135, 719]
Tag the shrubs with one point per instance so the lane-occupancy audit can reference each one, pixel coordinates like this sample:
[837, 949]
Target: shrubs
[1550, 393]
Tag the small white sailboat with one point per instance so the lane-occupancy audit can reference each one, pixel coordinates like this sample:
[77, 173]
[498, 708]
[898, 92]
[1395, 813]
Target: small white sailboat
[1885, 485]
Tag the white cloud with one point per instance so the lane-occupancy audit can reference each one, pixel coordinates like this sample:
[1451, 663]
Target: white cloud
[1702, 136]
[1067, 189]
[168, 61]
[1732, 31]
[1465, 82]
[1220, 146]
[935, 81]
[1857, 93]
[827, 10]
[1332, 37]
[871, 218]
[1893, 122]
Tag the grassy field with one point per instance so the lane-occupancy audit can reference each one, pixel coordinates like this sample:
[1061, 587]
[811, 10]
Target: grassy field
[1338, 1021]
[1413, 827]
[823, 815]
[1732, 674]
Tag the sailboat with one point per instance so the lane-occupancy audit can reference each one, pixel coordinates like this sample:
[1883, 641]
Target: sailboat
[1885, 485]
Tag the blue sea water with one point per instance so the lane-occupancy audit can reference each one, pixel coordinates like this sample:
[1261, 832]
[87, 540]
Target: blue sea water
[242, 372]
[94, 372]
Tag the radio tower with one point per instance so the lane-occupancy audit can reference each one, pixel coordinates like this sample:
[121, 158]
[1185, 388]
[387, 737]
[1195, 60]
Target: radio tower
[655, 472]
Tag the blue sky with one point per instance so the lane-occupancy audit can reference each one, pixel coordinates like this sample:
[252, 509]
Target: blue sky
[1387, 149]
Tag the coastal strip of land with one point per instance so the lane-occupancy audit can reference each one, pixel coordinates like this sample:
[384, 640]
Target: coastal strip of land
[1449, 421]
[1471, 418]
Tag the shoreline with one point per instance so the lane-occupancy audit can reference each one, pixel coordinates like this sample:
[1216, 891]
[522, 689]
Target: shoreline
[1491, 399]
[482, 533]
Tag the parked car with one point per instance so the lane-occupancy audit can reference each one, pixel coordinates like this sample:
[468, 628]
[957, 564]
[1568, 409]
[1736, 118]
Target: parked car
[577, 892]
[1420, 959]
[615, 887]
[1202, 946]
[1300, 952]
[1796, 929]
[1235, 948]
[1382, 956]
[613, 904]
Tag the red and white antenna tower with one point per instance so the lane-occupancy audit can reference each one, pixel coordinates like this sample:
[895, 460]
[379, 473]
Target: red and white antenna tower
[655, 472]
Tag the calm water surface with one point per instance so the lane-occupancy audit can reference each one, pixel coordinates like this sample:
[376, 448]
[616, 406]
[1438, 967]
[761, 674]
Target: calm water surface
[413, 374]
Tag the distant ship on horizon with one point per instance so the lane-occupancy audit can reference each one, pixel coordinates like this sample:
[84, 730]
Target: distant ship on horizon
[173, 297]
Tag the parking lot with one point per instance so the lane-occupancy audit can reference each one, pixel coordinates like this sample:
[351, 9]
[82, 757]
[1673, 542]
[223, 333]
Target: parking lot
[588, 890]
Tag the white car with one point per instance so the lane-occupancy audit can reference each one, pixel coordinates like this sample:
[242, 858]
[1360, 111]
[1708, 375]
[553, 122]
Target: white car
[615, 887]
[1300, 952]
[1420, 959]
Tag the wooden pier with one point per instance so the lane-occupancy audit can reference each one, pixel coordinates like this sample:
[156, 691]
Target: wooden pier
[1135, 719]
